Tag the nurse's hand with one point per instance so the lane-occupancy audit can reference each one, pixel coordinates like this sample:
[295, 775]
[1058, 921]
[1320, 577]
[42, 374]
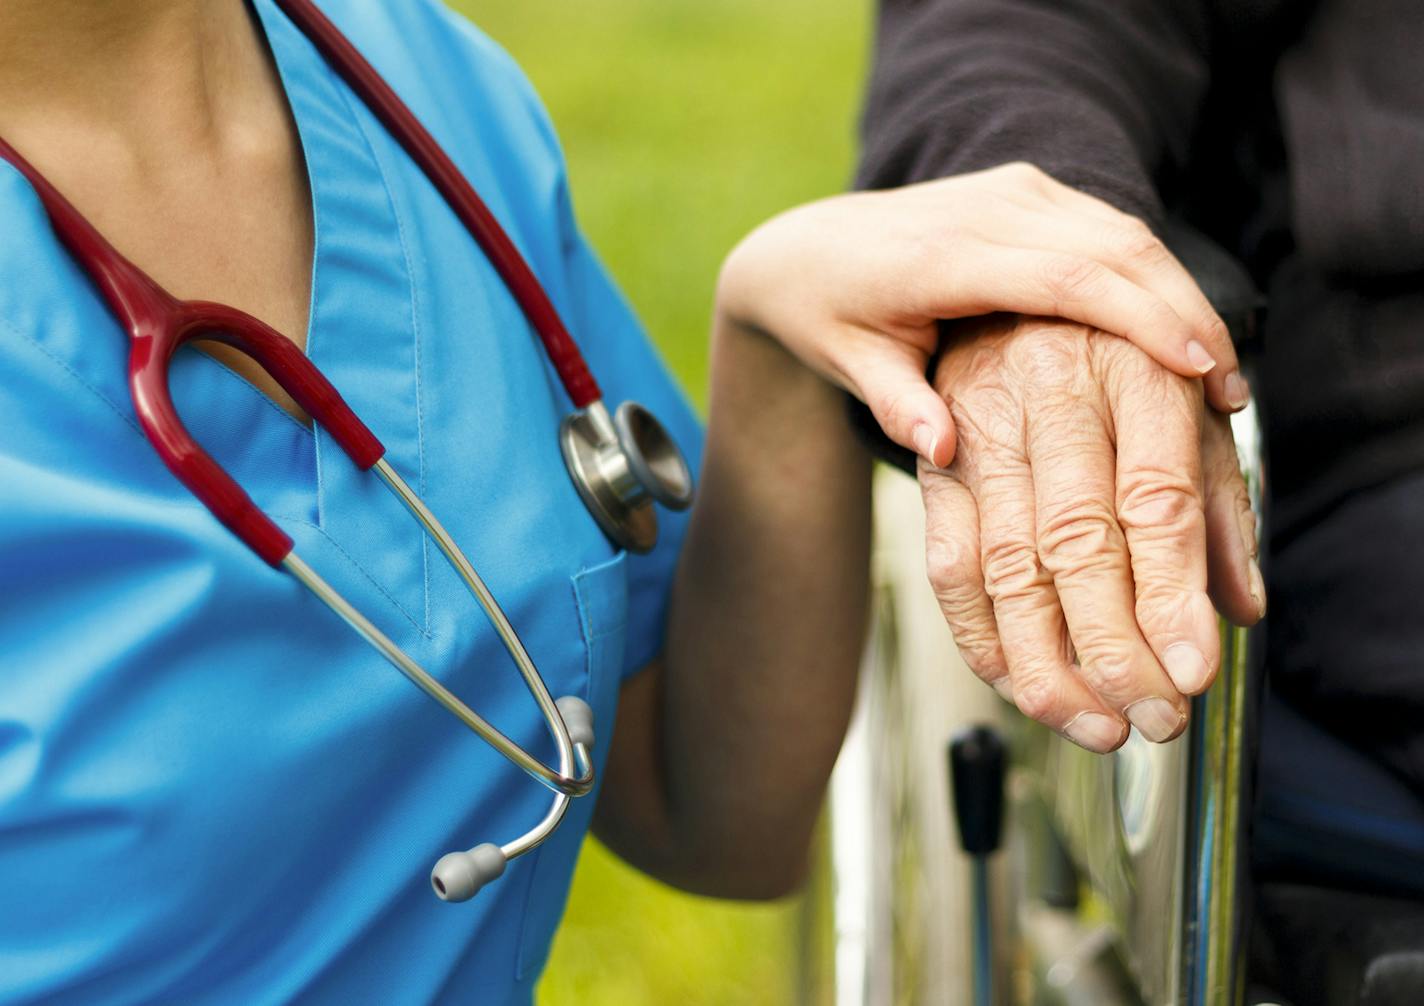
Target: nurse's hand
[855, 286]
[1068, 543]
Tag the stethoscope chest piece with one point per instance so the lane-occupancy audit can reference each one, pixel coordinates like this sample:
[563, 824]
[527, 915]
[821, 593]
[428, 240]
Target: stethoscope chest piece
[621, 464]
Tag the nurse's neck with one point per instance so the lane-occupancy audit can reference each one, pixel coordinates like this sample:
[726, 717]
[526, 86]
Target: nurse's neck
[165, 123]
[154, 74]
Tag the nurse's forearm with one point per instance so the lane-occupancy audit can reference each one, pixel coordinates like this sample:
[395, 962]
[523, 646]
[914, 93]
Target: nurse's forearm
[722, 752]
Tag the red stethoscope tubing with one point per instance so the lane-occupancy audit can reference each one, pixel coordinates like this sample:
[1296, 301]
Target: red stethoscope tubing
[448, 180]
[159, 324]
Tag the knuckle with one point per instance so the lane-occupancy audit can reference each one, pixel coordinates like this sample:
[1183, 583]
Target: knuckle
[952, 564]
[1011, 568]
[1078, 535]
[1159, 607]
[1023, 173]
[1223, 479]
[1247, 518]
[892, 408]
[1039, 696]
[1161, 315]
[922, 251]
[1111, 669]
[989, 426]
[1215, 329]
[1137, 243]
[1150, 499]
[1148, 395]
[982, 654]
[1129, 366]
[1050, 357]
[1073, 280]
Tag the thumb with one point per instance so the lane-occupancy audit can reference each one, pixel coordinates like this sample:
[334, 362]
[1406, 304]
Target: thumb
[891, 381]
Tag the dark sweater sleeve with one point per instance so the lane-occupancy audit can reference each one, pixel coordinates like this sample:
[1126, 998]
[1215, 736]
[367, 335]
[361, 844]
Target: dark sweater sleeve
[1101, 94]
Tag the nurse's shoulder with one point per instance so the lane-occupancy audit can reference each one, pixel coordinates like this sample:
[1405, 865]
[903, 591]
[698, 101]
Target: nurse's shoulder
[462, 85]
[481, 108]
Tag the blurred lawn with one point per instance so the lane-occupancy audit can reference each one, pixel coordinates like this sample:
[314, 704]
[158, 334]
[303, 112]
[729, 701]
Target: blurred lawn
[686, 123]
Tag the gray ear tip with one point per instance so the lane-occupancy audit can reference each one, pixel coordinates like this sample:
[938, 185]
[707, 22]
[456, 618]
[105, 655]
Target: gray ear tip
[578, 718]
[460, 875]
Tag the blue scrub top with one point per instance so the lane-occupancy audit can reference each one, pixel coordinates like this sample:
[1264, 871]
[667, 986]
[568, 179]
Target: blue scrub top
[211, 791]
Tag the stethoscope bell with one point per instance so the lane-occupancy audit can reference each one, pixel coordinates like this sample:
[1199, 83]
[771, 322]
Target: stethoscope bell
[620, 464]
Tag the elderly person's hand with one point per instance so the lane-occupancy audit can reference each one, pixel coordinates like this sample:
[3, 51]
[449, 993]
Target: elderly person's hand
[1072, 539]
[855, 285]
[1068, 543]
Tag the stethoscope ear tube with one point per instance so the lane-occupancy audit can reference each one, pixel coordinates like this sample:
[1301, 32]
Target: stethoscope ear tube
[459, 876]
[569, 720]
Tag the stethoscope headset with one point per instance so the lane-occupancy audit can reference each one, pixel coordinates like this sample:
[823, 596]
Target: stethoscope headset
[620, 462]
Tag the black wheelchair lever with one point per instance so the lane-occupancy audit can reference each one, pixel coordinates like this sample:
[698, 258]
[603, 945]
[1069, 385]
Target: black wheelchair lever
[977, 763]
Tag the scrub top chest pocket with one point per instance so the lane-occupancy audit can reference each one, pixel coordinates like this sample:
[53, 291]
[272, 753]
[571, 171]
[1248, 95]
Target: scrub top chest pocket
[601, 593]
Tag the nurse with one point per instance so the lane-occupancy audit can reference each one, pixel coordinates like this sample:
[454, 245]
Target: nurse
[210, 790]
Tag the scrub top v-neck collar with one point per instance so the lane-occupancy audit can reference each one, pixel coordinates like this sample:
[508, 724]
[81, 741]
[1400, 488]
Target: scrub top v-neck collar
[362, 333]
[362, 330]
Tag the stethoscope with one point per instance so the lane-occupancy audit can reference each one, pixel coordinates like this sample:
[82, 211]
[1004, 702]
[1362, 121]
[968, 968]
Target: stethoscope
[620, 462]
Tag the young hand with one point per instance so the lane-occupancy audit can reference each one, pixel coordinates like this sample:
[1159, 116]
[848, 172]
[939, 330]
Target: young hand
[855, 286]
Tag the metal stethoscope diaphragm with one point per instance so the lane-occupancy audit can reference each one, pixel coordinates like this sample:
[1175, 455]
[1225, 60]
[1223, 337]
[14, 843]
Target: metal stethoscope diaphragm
[621, 464]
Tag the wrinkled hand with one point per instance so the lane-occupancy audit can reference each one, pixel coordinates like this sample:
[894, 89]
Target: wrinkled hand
[1068, 543]
[855, 286]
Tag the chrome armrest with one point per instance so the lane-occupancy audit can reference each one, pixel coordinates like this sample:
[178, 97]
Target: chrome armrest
[1155, 831]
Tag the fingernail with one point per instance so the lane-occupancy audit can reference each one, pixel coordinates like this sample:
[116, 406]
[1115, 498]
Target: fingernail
[1199, 357]
[1238, 395]
[1258, 588]
[1094, 731]
[925, 441]
[1005, 688]
[1186, 666]
[1156, 718]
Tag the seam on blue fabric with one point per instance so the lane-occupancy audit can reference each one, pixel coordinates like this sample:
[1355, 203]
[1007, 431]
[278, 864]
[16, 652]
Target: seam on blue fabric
[612, 629]
[338, 87]
[414, 301]
[223, 369]
[369, 579]
[591, 632]
[314, 295]
[594, 632]
[54, 358]
[127, 418]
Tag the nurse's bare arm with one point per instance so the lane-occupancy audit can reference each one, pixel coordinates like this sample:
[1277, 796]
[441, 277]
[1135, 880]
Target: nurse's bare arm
[723, 748]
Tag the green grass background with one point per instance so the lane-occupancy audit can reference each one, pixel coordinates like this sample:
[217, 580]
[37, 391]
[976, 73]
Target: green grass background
[686, 123]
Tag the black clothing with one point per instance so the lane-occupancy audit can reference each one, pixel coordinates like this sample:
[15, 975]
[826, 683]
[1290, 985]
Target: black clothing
[1292, 133]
